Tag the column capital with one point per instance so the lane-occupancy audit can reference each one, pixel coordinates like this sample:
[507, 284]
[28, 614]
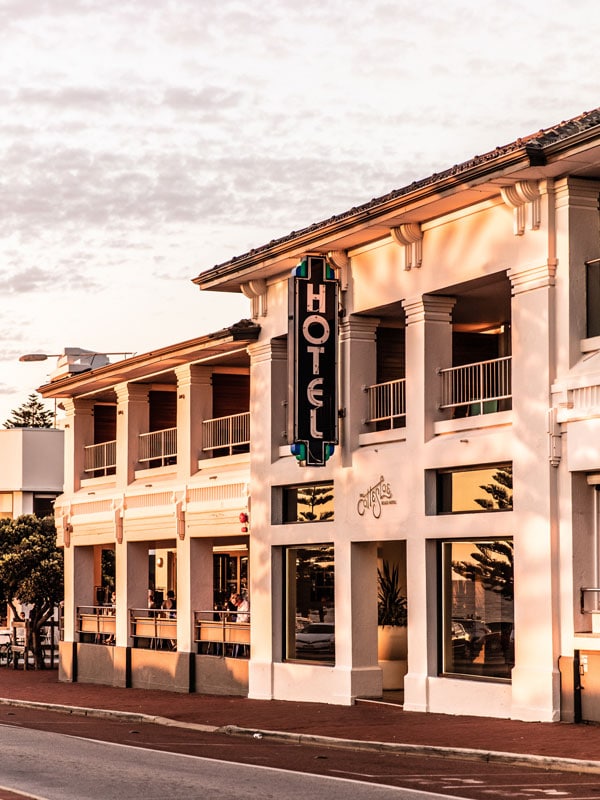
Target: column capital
[355, 327]
[127, 392]
[77, 405]
[428, 308]
[267, 350]
[188, 374]
[526, 279]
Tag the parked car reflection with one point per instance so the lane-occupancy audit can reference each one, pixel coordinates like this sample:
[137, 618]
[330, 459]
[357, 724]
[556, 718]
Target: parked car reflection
[318, 638]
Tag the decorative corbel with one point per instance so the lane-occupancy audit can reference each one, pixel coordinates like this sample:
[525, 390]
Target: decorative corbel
[410, 235]
[339, 260]
[118, 521]
[67, 530]
[256, 291]
[180, 519]
[554, 438]
[518, 197]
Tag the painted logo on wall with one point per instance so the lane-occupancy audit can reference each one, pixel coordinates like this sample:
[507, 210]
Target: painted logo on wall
[376, 496]
[312, 343]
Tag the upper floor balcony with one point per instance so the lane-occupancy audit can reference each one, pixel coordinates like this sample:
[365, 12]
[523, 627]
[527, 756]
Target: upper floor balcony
[222, 436]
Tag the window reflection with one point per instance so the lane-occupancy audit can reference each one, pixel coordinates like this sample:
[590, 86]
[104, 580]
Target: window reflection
[478, 620]
[310, 502]
[477, 489]
[310, 607]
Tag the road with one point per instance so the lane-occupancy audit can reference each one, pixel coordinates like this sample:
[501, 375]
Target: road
[60, 767]
[132, 761]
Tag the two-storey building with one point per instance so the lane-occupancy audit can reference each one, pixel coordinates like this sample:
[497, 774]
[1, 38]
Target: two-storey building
[441, 422]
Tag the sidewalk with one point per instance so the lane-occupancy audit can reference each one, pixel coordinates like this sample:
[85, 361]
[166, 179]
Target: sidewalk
[362, 725]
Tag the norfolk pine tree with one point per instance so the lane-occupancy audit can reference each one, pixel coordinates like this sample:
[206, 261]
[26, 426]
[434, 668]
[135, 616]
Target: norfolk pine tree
[31, 571]
[31, 414]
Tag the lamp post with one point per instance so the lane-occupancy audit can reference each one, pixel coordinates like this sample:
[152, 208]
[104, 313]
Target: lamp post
[84, 359]
[45, 356]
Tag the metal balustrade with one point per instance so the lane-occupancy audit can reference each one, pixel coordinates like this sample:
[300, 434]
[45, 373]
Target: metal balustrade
[153, 629]
[100, 459]
[387, 403]
[218, 633]
[228, 434]
[477, 388]
[158, 448]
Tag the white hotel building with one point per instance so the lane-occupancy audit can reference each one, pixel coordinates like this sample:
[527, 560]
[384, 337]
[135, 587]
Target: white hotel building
[465, 389]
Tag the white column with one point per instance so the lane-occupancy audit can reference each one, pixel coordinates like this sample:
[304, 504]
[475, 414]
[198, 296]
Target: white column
[358, 370]
[131, 584]
[194, 587]
[194, 404]
[79, 432]
[132, 419]
[535, 677]
[357, 669]
[428, 349]
[268, 393]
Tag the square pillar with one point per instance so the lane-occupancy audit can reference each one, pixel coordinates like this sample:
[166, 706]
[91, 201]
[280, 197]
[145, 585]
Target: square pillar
[194, 404]
[194, 587]
[133, 416]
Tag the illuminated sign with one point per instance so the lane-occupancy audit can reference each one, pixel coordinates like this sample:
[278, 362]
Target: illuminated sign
[313, 334]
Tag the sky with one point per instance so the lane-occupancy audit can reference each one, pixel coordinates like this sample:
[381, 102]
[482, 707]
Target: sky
[144, 141]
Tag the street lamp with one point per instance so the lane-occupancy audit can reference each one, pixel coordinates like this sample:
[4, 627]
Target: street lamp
[45, 356]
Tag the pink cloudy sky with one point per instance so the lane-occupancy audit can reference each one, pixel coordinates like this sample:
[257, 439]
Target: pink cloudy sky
[143, 141]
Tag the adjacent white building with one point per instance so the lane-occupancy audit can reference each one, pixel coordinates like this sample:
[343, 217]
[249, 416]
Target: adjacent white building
[453, 398]
[31, 471]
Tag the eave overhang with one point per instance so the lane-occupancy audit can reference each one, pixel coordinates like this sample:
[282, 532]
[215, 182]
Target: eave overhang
[570, 148]
[208, 349]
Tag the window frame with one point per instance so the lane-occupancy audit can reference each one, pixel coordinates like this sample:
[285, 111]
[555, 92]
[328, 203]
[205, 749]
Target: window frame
[445, 623]
[290, 607]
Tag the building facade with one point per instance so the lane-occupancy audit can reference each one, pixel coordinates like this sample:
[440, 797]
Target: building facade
[31, 471]
[440, 424]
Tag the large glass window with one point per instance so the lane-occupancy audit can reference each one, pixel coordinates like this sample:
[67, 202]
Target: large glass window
[486, 488]
[477, 608]
[308, 502]
[6, 505]
[593, 297]
[309, 604]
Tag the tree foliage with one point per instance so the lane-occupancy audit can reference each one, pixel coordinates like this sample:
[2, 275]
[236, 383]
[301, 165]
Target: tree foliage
[31, 414]
[493, 565]
[499, 491]
[391, 603]
[315, 503]
[31, 571]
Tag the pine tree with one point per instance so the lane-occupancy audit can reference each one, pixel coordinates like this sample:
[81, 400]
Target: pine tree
[31, 571]
[31, 414]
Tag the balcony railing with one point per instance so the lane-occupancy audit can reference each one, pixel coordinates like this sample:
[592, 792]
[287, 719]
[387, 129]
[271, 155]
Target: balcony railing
[387, 404]
[100, 459]
[218, 633]
[477, 388]
[96, 624]
[158, 448]
[153, 629]
[226, 435]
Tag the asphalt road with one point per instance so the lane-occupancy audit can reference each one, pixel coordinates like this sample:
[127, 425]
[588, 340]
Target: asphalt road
[274, 768]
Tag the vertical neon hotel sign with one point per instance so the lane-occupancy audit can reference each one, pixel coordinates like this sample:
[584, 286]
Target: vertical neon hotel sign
[313, 333]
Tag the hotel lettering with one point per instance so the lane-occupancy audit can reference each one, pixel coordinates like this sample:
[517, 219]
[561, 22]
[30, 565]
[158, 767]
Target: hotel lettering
[313, 334]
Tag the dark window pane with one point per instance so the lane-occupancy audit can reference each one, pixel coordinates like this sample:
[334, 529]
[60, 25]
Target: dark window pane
[308, 503]
[593, 299]
[477, 612]
[310, 604]
[478, 489]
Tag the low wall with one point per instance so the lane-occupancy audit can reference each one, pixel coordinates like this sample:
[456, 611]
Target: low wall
[152, 669]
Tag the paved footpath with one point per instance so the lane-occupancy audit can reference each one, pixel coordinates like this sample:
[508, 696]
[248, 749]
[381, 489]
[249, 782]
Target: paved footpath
[551, 744]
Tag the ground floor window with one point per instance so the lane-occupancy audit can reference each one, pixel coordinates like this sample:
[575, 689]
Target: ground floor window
[477, 619]
[309, 604]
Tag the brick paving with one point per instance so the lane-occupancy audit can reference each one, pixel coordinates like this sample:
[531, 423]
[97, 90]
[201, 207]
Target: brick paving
[362, 722]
